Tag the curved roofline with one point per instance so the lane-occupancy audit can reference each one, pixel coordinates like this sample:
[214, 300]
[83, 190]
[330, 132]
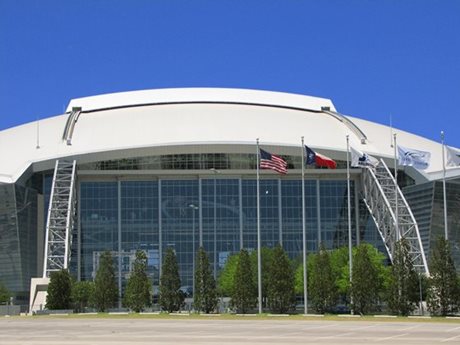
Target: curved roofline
[127, 120]
[200, 95]
[172, 96]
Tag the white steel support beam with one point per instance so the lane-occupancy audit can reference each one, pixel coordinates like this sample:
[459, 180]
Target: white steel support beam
[61, 217]
[382, 197]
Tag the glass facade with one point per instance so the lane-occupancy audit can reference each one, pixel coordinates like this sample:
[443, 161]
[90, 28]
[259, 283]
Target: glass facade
[222, 228]
[427, 203]
[18, 239]
[195, 161]
[420, 199]
[219, 213]
[98, 224]
[139, 225]
[122, 214]
[453, 216]
[334, 213]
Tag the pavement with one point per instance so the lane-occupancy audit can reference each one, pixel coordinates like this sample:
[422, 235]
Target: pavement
[70, 331]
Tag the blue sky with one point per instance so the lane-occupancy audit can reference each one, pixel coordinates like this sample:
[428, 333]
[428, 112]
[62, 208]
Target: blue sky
[374, 59]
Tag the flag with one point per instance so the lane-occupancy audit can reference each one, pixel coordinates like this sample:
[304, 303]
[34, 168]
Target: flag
[311, 156]
[319, 159]
[414, 158]
[359, 159]
[273, 162]
[453, 157]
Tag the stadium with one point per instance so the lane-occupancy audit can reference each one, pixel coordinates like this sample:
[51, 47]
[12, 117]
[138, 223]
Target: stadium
[177, 168]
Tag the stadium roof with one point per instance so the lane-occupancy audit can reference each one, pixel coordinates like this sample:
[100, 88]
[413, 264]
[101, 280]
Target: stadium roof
[193, 120]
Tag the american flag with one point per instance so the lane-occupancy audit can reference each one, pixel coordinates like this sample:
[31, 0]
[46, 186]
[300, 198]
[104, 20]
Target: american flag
[273, 162]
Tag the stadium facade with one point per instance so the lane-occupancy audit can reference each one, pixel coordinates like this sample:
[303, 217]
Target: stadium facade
[177, 168]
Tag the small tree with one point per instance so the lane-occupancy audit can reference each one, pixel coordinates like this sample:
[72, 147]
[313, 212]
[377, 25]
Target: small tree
[281, 292]
[205, 294]
[137, 293]
[444, 292]
[226, 280]
[171, 297]
[266, 257]
[4, 294]
[244, 292]
[323, 291]
[81, 295]
[341, 270]
[105, 286]
[402, 292]
[59, 290]
[367, 282]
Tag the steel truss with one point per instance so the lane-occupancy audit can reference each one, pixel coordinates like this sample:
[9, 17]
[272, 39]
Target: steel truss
[61, 217]
[391, 213]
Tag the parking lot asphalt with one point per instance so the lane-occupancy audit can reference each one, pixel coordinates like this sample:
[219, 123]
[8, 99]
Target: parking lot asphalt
[70, 331]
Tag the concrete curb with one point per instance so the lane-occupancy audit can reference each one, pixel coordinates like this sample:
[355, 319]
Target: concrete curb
[118, 313]
[386, 316]
[150, 313]
[348, 315]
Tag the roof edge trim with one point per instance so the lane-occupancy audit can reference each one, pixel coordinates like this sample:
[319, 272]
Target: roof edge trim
[201, 102]
[192, 95]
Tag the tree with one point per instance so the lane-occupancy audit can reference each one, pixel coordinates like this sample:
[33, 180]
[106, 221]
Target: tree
[4, 294]
[105, 286]
[227, 276]
[59, 290]
[281, 293]
[244, 291]
[341, 270]
[339, 265]
[171, 297]
[81, 295]
[444, 291]
[322, 288]
[402, 292]
[367, 281]
[205, 294]
[266, 256]
[137, 293]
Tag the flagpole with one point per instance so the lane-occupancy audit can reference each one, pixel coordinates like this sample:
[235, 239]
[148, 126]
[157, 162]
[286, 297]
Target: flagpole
[444, 187]
[38, 133]
[396, 189]
[304, 234]
[391, 131]
[259, 265]
[350, 256]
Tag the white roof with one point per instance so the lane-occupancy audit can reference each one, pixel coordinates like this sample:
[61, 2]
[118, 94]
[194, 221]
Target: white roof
[196, 120]
[203, 95]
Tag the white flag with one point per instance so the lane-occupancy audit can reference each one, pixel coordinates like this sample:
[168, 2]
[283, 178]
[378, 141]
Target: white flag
[413, 158]
[361, 159]
[453, 157]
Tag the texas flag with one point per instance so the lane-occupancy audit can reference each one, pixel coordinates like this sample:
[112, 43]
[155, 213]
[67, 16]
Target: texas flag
[319, 159]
